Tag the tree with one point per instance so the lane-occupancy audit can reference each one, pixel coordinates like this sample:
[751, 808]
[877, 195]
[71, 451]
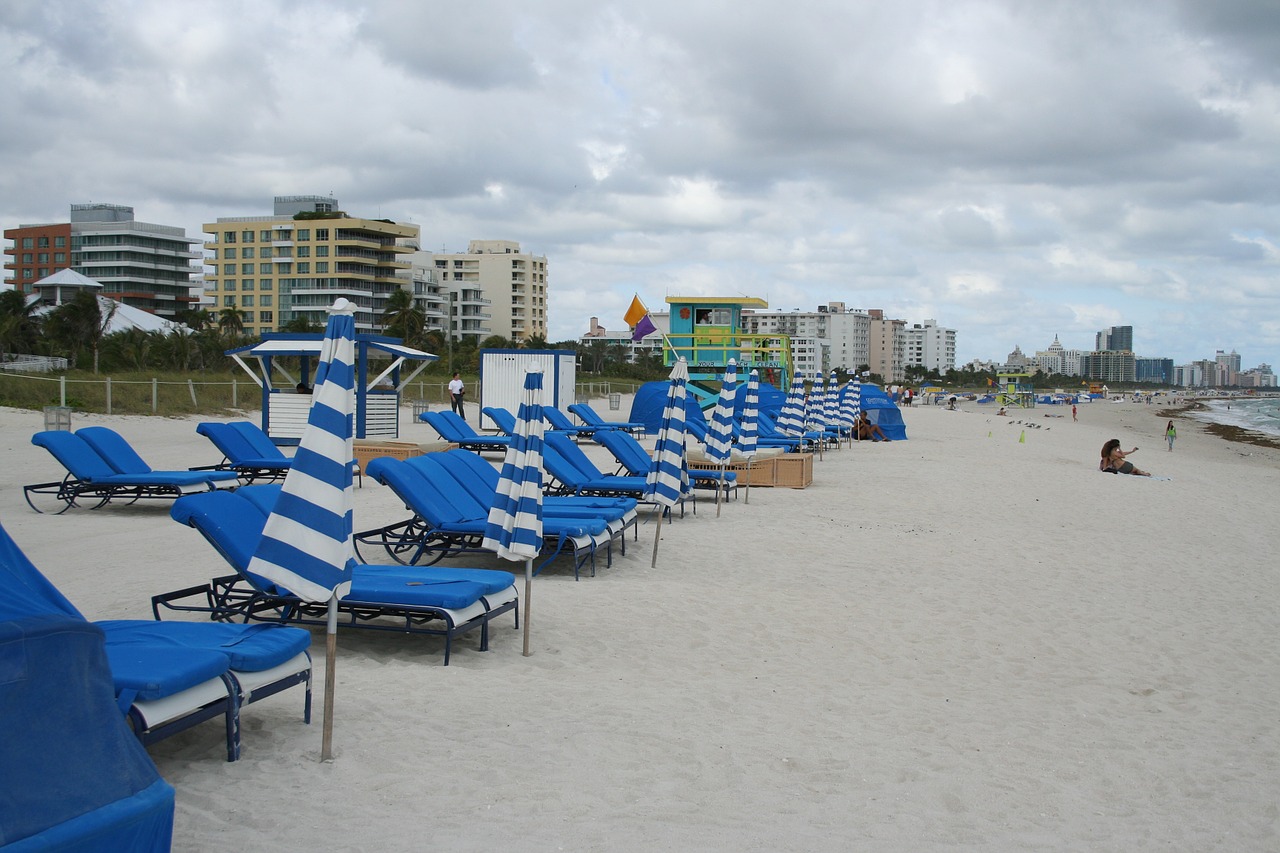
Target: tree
[81, 322]
[536, 341]
[231, 321]
[19, 324]
[403, 318]
[195, 319]
[302, 326]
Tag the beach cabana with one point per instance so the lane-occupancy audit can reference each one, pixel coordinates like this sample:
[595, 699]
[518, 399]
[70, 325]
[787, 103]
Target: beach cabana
[881, 410]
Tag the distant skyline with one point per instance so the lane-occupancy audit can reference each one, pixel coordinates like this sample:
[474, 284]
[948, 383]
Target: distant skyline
[1013, 170]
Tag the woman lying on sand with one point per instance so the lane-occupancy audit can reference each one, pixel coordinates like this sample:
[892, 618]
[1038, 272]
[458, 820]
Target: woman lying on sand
[1113, 460]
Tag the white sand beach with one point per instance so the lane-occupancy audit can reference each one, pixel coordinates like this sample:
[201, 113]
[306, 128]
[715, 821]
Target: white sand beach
[957, 642]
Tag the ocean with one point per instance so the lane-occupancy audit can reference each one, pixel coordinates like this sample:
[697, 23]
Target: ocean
[1260, 414]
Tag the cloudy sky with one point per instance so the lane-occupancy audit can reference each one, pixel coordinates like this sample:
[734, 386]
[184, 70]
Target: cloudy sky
[1014, 170]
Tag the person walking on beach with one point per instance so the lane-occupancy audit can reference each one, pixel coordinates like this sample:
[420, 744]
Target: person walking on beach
[1170, 434]
[1073, 412]
[456, 391]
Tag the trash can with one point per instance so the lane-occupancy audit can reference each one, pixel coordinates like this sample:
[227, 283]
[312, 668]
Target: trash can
[615, 402]
[57, 417]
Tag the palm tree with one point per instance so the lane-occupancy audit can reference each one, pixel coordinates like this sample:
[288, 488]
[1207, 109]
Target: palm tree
[536, 341]
[195, 319]
[403, 318]
[81, 322]
[231, 321]
[19, 324]
[301, 325]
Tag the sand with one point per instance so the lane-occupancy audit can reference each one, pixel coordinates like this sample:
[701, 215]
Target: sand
[962, 641]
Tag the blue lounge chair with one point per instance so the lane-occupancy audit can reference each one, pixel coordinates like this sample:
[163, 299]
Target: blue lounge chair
[455, 430]
[559, 422]
[590, 417]
[249, 452]
[75, 779]
[444, 602]
[447, 520]
[169, 677]
[636, 461]
[95, 477]
[575, 474]
[480, 479]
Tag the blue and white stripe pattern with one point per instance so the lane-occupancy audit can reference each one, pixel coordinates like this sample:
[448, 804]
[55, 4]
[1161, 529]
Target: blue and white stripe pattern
[668, 479]
[832, 414]
[514, 529]
[853, 400]
[306, 545]
[720, 430]
[791, 418]
[747, 436]
[815, 405]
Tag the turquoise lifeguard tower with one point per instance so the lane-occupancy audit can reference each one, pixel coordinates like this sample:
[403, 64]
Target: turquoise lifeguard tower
[1014, 392]
[706, 331]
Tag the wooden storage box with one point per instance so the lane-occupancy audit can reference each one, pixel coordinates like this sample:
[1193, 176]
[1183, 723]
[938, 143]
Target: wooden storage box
[790, 470]
[367, 449]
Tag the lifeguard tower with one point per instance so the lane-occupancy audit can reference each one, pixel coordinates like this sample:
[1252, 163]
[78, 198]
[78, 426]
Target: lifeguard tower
[706, 331]
[1015, 392]
[284, 410]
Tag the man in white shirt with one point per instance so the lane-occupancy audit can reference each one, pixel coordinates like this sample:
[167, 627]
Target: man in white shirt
[455, 396]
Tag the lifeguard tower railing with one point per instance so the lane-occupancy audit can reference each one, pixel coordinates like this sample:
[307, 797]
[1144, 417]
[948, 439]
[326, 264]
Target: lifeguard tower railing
[708, 354]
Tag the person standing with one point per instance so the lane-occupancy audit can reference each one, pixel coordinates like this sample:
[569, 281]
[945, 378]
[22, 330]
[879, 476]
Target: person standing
[1170, 434]
[456, 392]
[1073, 412]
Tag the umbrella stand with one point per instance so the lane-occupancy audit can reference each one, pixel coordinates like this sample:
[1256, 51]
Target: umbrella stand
[528, 594]
[657, 534]
[330, 678]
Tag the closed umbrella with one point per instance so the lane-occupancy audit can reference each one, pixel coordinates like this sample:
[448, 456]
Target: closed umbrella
[514, 530]
[750, 428]
[853, 403]
[306, 544]
[832, 412]
[791, 418]
[814, 409]
[720, 430]
[668, 479]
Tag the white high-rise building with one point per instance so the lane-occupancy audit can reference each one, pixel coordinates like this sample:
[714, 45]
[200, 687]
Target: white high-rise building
[829, 338]
[930, 346]
[496, 289]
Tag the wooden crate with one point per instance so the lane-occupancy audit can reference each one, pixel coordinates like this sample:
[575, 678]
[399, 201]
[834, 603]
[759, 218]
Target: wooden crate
[367, 449]
[790, 470]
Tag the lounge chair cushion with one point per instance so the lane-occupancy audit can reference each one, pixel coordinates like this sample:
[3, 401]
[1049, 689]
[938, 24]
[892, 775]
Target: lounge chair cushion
[154, 673]
[124, 460]
[399, 585]
[249, 648]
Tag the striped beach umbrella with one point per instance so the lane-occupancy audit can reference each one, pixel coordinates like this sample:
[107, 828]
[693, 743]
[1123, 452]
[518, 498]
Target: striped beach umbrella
[720, 430]
[514, 529]
[791, 418]
[815, 406]
[306, 544]
[831, 414]
[853, 403]
[668, 480]
[748, 434]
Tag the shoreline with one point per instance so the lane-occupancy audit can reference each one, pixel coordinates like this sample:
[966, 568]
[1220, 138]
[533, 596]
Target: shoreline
[1227, 432]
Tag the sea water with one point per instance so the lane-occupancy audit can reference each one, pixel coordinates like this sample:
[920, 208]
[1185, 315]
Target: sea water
[1260, 415]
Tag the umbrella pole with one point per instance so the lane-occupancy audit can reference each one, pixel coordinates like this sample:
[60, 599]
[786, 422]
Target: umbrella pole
[330, 678]
[747, 499]
[719, 489]
[528, 594]
[657, 534]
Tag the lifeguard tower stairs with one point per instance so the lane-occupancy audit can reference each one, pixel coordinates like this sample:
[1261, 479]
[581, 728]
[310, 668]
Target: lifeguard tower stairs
[706, 331]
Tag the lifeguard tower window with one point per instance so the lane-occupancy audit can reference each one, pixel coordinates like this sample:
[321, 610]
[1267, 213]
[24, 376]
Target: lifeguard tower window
[712, 317]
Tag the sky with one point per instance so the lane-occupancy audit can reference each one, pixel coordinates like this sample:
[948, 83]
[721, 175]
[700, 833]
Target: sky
[1013, 169]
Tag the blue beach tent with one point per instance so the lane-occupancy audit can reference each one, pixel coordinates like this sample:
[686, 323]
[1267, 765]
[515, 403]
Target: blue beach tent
[881, 411]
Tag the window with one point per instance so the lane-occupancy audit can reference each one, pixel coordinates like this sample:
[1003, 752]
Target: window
[43, 242]
[60, 242]
[266, 284]
[322, 251]
[322, 267]
[284, 269]
[246, 269]
[248, 316]
[28, 273]
[304, 233]
[283, 252]
[228, 236]
[247, 301]
[228, 302]
[304, 268]
[44, 271]
[228, 269]
[229, 254]
[59, 257]
[247, 253]
[265, 253]
[266, 236]
[322, 233]
[28, 243]
[246, 284]
[247, 236]
[28, 258]
[231, 284]
[264, 269]
[265, 300]
[266, 316]
[304, 251]
[44, 256]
